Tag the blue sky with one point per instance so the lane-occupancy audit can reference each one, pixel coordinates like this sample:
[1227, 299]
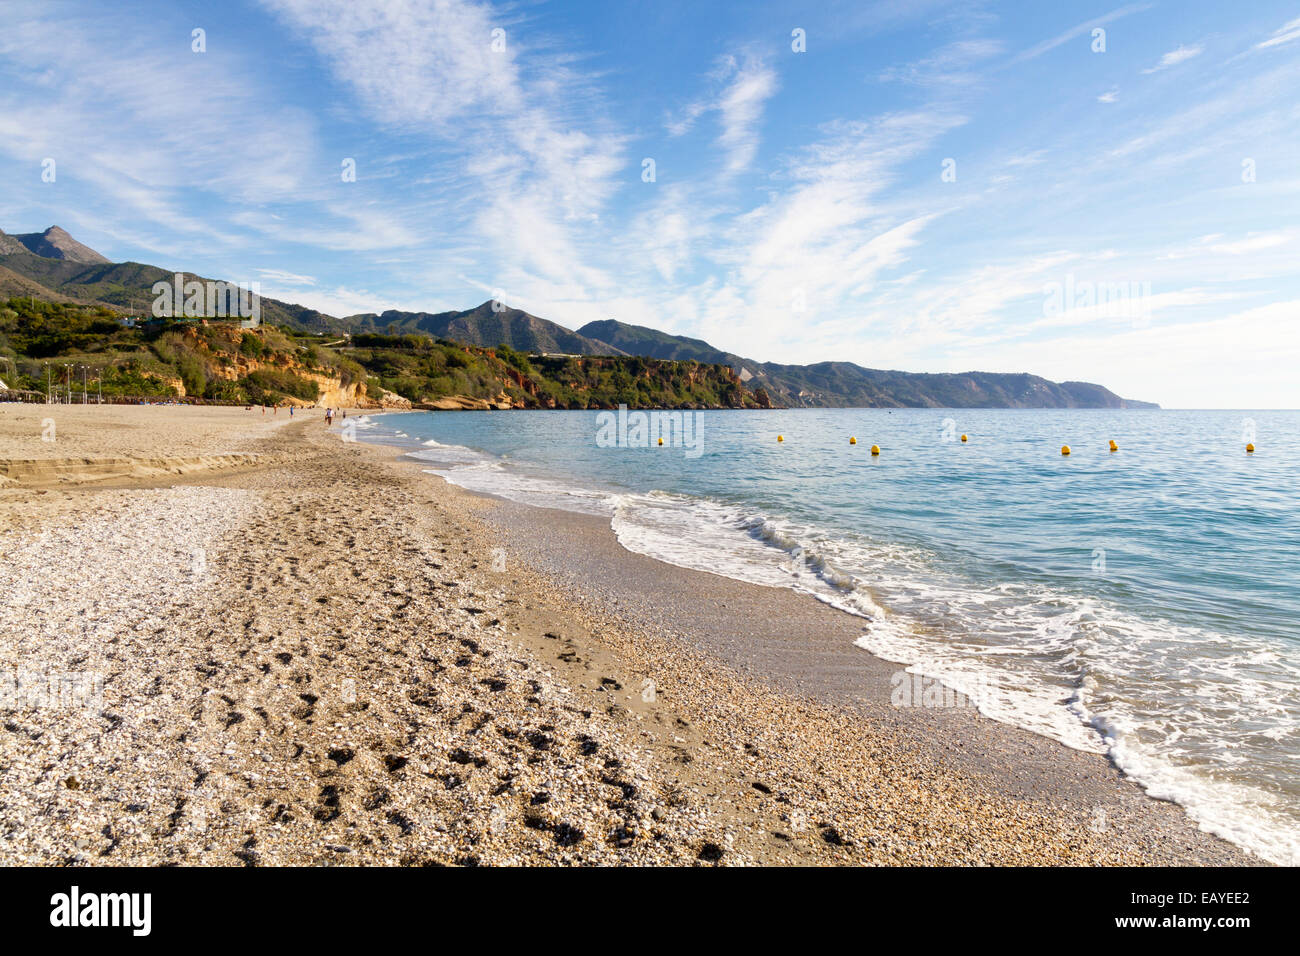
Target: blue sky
[930, 186]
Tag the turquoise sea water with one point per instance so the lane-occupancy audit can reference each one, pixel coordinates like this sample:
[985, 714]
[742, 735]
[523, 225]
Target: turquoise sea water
[1143, 603]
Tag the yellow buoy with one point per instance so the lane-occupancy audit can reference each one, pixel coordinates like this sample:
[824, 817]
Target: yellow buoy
[1065, 449]
[1113, 446]
[875, 449]
[1250, 448]
[661, 441]
[963, 437]
[780, 438]
[852, 440]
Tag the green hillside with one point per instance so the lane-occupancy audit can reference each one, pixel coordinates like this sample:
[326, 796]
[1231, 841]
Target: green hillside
[220, 362]
[426, 370]
[43, 344]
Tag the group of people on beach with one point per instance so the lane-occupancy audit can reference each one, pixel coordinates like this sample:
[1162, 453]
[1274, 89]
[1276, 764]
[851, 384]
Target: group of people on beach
[329, 412]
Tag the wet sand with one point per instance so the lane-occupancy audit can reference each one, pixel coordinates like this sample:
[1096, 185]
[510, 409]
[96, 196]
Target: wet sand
[804, 649]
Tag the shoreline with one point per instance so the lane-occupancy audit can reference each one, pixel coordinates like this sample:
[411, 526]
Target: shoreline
[810, 656]
[349, 680]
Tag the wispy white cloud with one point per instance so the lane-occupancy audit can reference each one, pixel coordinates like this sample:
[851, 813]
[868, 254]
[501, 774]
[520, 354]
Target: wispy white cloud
[414, 64]
[529, 135]
[1180, 54]
[824, 240]
[1284, 34]
[743, 85]
[1256, 242]
[115, 117]
[334, 225]
[742, 109]
[668, 230]
[1024, 160]
[1080, 29]
[1110, 96]
[342, 300]
[285, 278]
[951, 65]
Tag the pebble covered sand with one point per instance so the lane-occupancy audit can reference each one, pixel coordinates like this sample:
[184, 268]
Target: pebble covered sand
[317, 656]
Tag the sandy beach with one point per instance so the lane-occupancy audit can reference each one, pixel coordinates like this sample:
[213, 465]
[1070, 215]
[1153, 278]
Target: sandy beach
[302, 650]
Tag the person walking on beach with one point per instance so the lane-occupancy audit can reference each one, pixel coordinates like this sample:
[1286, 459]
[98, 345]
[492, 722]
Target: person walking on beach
[329, 417]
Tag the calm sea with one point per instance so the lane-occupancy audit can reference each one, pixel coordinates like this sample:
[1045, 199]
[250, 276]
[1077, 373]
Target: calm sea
[1143, 603]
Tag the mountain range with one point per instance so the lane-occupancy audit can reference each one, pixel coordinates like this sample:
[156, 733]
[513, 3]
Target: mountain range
[53, 265]
[491, 323]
